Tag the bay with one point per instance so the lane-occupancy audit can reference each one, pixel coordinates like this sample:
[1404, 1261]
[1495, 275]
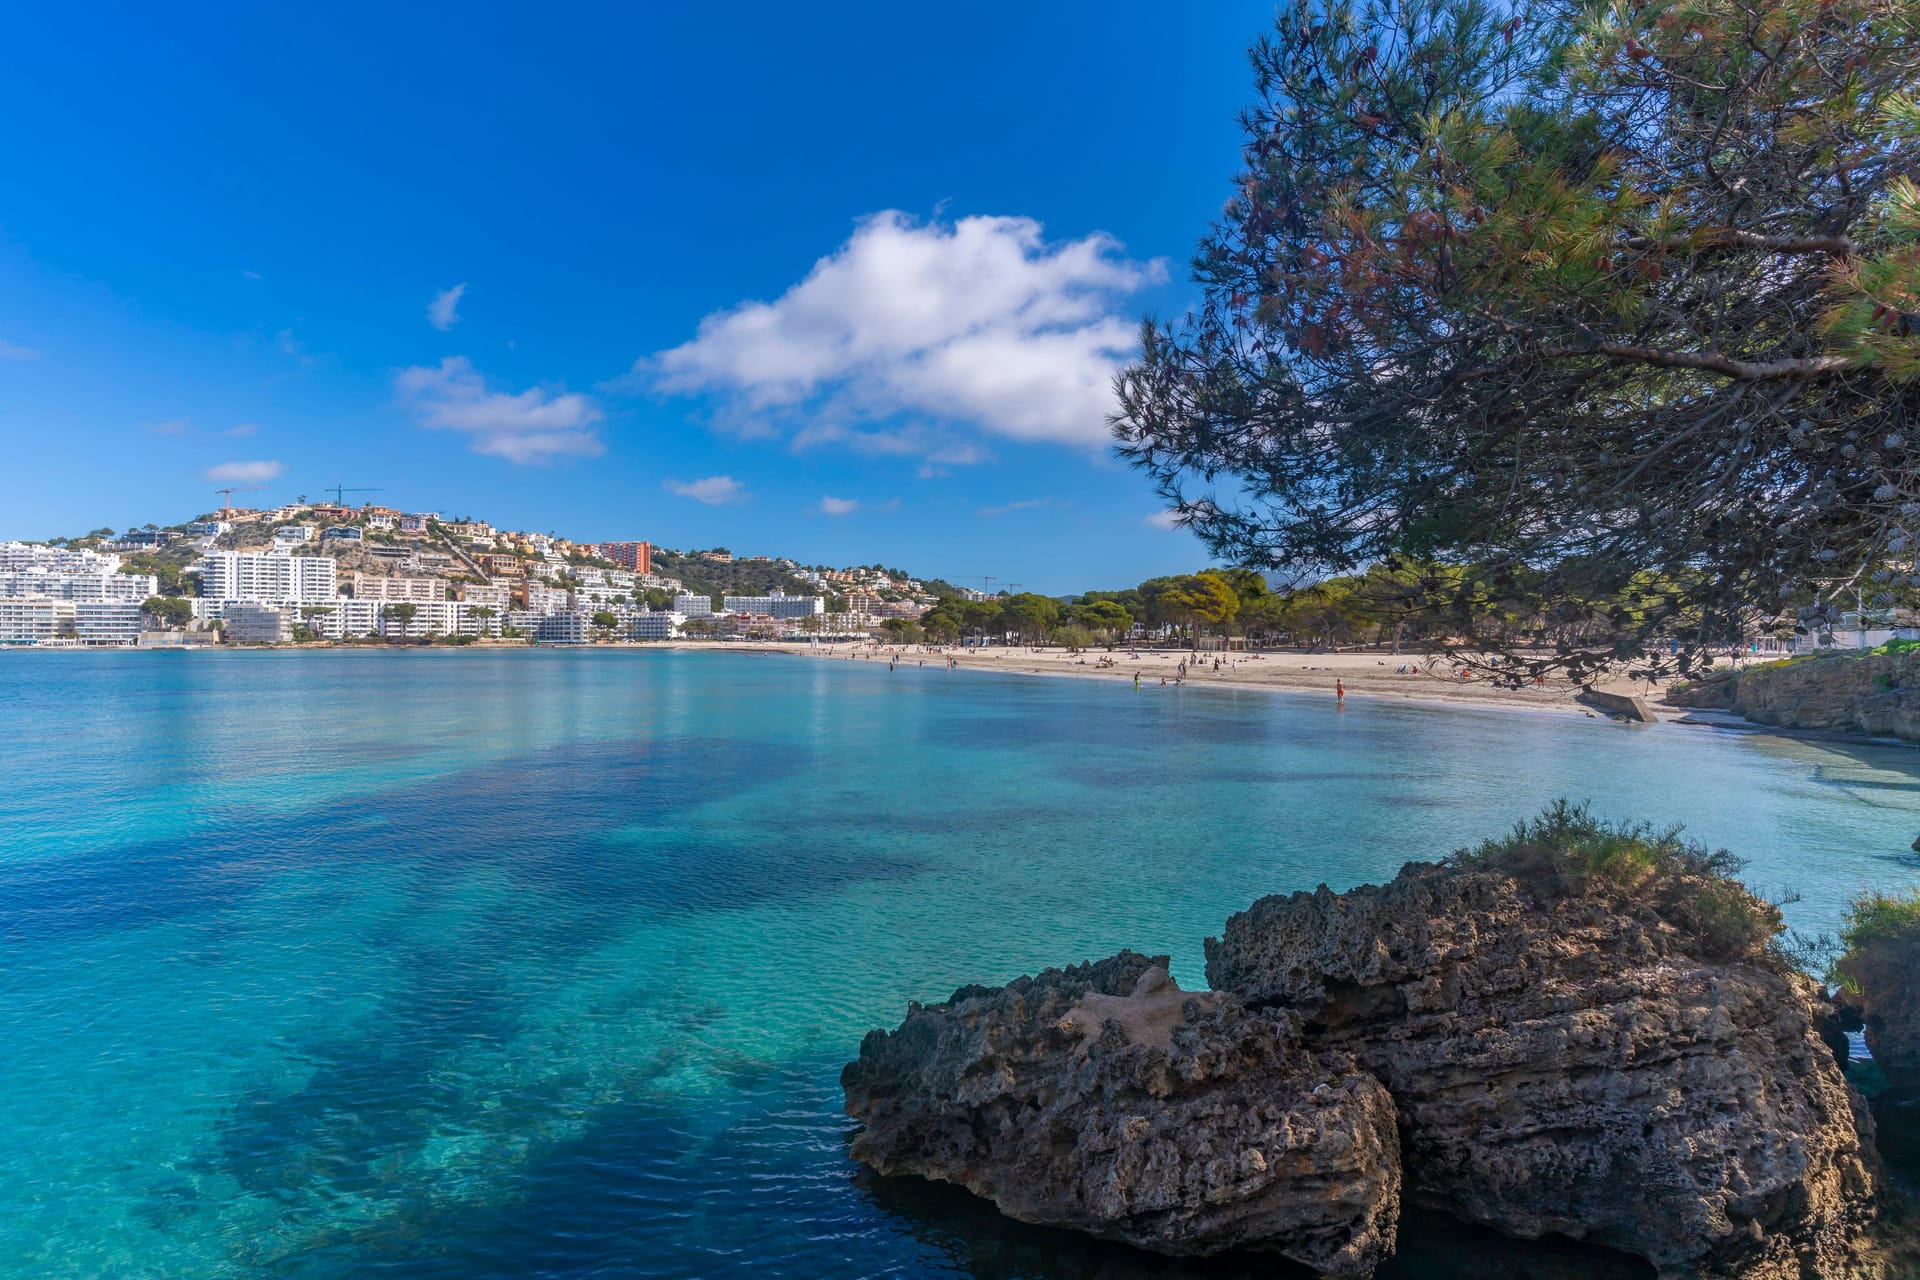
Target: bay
[459, 963]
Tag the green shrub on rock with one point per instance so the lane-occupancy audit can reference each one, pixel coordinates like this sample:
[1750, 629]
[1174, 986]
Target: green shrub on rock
[1567, 851]
[1874, 920]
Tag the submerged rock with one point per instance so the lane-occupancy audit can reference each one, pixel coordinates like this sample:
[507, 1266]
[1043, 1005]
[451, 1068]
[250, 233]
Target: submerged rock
[1102, 1097]
[1623, 1065]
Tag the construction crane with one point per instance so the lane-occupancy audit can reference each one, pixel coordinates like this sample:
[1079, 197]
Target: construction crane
[340, 492]
[986, 580]
[226, 511]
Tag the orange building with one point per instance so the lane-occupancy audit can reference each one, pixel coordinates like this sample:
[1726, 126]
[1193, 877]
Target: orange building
[636, 557]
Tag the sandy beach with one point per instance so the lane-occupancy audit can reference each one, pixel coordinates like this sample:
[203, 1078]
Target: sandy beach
[1404, 677]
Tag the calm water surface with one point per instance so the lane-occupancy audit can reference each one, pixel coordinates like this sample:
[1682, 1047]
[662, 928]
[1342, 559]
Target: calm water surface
[544, 964]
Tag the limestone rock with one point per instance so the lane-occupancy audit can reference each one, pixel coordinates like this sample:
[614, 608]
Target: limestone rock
[1103, 1098]
[1622, 1068]
[1885, 996]
[1883, 987]
[1873, 694]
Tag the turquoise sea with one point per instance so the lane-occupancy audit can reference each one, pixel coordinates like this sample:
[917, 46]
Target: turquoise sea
[459, 964]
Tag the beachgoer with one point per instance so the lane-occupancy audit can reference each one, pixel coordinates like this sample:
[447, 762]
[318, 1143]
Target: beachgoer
[1339, 690]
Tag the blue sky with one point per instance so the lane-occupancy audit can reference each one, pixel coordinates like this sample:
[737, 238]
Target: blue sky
[839, 282]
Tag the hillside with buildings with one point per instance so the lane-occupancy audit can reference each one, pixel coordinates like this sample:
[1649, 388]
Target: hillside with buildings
[331, 572]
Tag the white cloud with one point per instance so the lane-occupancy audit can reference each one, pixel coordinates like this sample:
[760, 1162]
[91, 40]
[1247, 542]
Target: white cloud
[1025, 504]
[714, 490]
[532, 426]
[959, 454]
[1168, 520]
[444, 311]
[240, 430]
[171, 427]
[249, 273]
[980, 322]
[847, 506]
[245, 472]
[13, 351]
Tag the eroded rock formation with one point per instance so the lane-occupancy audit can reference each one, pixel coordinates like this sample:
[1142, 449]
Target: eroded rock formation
[1882, 986]
[1610, 1066]
[1102, 1097]
[1884, 990]
[1873, 694]
[1625, 1064]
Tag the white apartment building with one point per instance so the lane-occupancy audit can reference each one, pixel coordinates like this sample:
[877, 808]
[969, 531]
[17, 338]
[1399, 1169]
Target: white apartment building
[499, 599]
[440, 618]
[592, 576]
[545, 600]
[374, 586]
[57, 595]
[478, 619]
[656, 626]
[88, 586]
[28, 557]
[601, 594]
[292, 535]
[107, 622]
[246, 575]
[347, 617]
[428, 619]
[250, 622]
[36, 620]
[693, 606]
[551, 628]
[564, 628]
[777, 605]
[352, 617]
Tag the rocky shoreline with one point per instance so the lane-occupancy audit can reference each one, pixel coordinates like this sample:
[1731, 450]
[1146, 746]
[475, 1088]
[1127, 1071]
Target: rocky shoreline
[1851, 695]
[1563, 1036]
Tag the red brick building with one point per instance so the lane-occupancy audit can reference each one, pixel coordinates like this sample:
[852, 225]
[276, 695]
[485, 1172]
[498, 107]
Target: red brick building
[635, 557]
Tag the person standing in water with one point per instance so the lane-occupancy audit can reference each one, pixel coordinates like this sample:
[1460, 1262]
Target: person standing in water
[1340, 691]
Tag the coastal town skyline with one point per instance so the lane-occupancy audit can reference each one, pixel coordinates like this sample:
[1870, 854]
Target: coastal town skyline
[908, 355]
[330, 570]
[250, 502]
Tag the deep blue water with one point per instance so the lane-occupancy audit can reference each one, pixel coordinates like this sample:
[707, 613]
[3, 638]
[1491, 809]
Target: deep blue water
[544, 964]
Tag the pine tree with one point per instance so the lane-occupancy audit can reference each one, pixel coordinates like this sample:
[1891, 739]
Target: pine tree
[1574, 295]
